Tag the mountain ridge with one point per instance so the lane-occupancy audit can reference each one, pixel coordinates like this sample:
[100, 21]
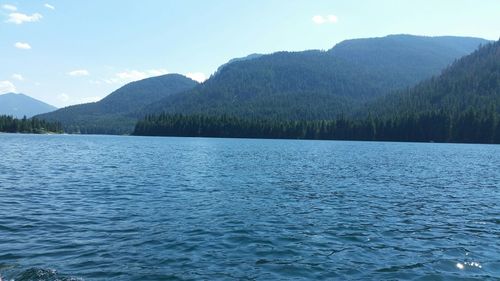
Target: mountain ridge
[20, 105]
[306, 85]
[461, 105]
[117, 112]
[317, 84]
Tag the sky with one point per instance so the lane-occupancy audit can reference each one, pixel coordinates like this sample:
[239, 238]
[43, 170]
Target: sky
[70, 52]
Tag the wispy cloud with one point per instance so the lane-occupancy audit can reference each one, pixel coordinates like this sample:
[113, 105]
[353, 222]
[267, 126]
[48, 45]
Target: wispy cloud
[318, 19]
[197, 76]
[67, 99]
[9, 7]
[48, 6]
[22, 46]
[79, 73]
[63, 97]
[88, 99]
[20, 18]
[134, 75]
[7, 87]
[17, 77]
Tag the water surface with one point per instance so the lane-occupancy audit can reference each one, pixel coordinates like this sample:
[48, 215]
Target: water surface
[134, 208]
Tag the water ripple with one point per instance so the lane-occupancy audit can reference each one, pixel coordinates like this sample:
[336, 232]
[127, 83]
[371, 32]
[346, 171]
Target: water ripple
[131, 208]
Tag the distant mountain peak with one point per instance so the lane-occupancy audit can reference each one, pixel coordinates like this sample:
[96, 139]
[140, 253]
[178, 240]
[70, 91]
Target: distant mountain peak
[465, 43]
[19, 105]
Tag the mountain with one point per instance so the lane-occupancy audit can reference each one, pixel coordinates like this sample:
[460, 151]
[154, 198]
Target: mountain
[118, 112]
[470, 84]
[460, 105]
[249, 57]
[314, 84]
[19, 105]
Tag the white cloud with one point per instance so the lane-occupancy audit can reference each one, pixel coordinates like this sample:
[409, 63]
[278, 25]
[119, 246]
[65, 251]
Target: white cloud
[48, 6]
[318, 19]
[22, 46]
[9, 7]
[63, 97]
[66, 99]
[134, 75]
[197, 76]
[19, 18]
[333, 18]
[79, 72]
[18, 77]
[88, 99]
[7, 87]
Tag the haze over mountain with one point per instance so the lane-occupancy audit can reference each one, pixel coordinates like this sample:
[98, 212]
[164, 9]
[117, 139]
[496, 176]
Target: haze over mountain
[118, 112]
[320, 84]
[471, 83]
[19, 105]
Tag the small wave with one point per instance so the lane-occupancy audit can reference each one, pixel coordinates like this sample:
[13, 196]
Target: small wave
[41, 274]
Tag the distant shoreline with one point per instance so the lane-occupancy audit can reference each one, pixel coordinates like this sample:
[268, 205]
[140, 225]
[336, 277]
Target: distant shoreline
[248, 138]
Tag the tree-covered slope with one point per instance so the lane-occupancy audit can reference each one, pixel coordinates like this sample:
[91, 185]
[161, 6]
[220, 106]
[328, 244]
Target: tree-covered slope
[411, 58]
[460, 105]
[19, 105]
[470, 84]
[317, 84]
[118, 112]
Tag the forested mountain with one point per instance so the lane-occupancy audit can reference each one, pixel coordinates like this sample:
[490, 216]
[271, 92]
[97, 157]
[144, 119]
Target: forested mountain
[309, 85]
[19, 105]
[118, 112]
[470, 84]
[314, 85]
[249, 57]
[460, 105]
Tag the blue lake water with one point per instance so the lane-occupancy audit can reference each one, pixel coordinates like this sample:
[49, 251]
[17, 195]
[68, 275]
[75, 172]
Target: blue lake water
[134, 208]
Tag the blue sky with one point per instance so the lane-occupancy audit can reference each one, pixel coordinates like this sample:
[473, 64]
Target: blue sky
[68, 52]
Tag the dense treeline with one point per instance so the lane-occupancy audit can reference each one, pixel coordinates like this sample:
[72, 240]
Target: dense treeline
[9, 124]
[468, 127]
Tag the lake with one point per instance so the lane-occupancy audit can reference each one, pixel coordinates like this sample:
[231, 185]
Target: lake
[140, 208]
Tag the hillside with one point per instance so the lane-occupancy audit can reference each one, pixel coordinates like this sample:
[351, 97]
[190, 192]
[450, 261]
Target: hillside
[19, 105]
[460, 105]
[118, 112]
[471, 83]
[313, 85]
